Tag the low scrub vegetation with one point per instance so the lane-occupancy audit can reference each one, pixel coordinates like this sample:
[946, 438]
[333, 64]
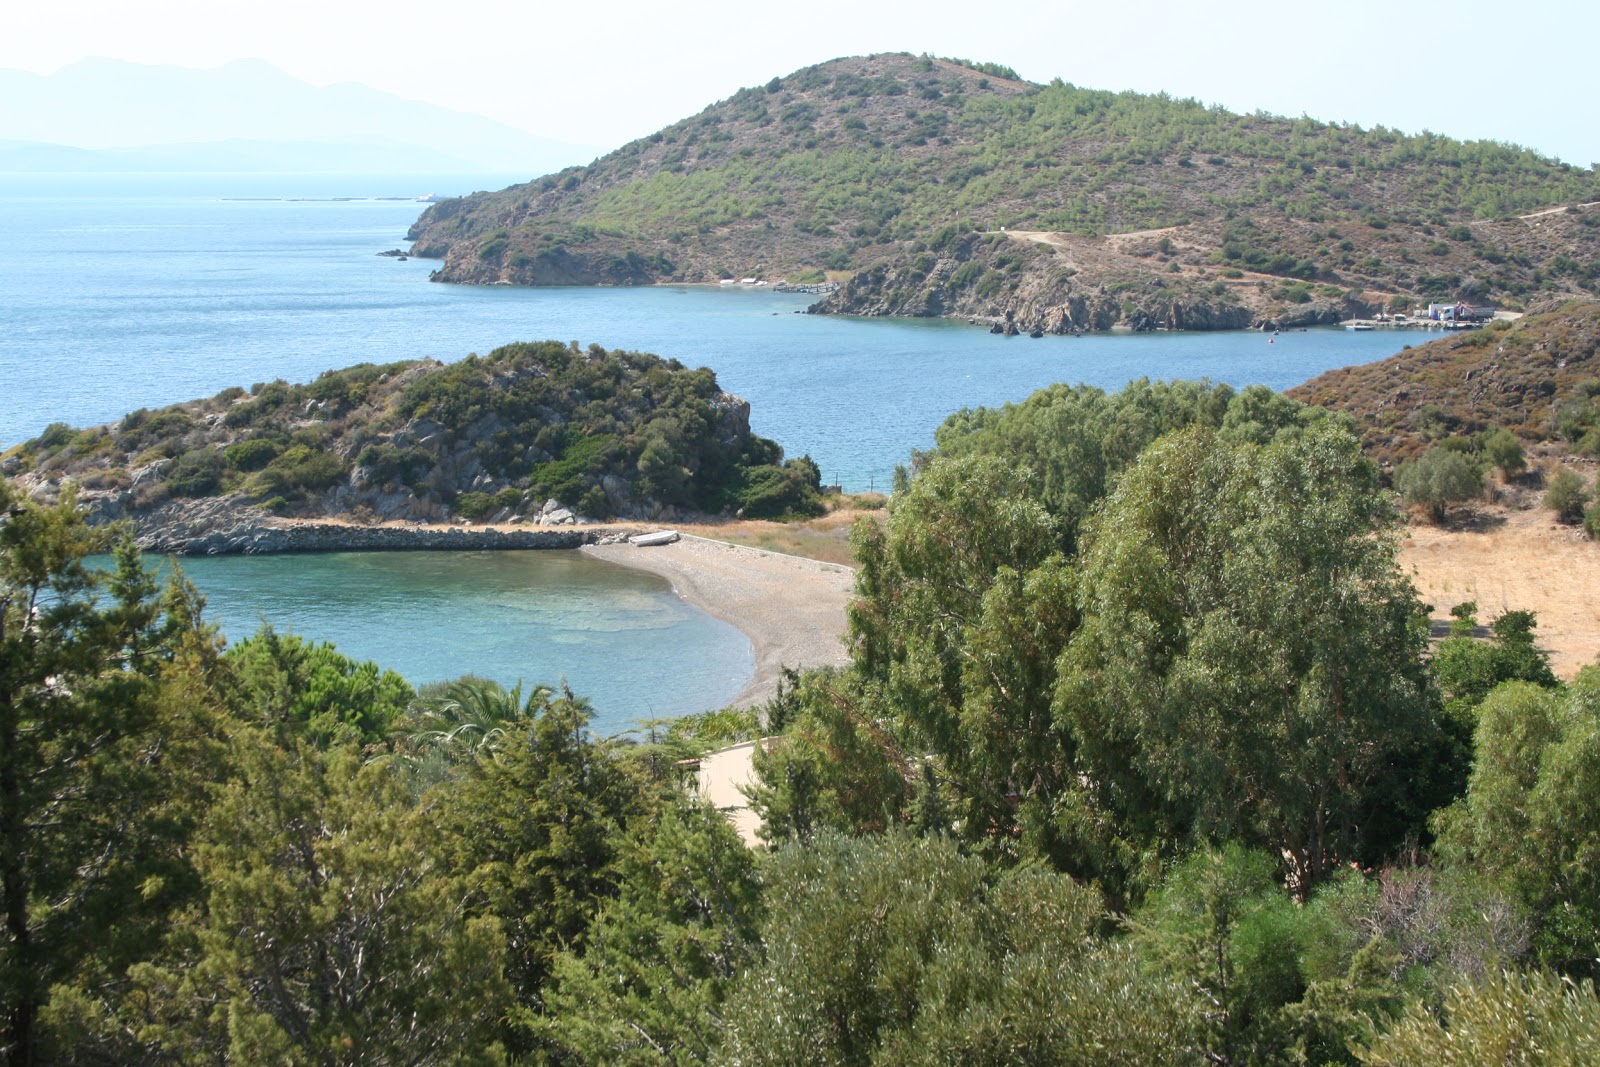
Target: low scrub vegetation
[598, 431]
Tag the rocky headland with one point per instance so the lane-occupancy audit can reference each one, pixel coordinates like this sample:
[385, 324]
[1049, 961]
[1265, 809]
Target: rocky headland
[532, 446]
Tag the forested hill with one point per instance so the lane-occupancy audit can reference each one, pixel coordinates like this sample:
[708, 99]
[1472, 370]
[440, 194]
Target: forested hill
[496, 437]
[886, 165]
[1538, 377]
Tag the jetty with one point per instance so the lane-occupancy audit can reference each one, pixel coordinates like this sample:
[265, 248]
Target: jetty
[822, 289]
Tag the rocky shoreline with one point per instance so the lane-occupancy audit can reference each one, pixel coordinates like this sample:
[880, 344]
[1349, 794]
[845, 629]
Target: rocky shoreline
[276, 538]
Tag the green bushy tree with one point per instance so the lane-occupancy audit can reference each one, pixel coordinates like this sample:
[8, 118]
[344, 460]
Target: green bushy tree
[896, 949]
[1435, 480]
[1507, 1018]
[1566, 496]
[1504, 450]
[1250, 658]
[102, 693]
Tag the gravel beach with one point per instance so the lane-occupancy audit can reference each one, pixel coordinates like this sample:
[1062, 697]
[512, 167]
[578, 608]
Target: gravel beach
[791, 608]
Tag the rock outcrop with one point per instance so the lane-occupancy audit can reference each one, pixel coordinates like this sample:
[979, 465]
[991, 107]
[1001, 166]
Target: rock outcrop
[1038, 283]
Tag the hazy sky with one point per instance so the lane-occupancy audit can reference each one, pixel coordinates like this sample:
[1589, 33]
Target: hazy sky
[604, 72]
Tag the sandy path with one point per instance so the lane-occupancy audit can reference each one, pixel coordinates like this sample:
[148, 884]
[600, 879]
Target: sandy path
[792, 609]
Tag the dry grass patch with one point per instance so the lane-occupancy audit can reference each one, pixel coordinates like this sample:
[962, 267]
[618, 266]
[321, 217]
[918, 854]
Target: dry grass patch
[826, 539]
[1527, 562]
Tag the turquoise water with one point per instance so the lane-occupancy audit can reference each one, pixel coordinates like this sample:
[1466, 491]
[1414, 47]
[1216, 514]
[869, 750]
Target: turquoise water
[618, 637]
[136, 291]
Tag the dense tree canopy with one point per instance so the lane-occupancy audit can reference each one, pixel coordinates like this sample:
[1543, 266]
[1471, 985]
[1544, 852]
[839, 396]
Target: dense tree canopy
[1141, 759]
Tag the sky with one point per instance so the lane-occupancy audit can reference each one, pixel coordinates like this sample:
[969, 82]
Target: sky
[603, 73]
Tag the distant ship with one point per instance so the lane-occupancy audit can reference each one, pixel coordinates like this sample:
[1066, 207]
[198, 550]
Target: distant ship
[430, 198]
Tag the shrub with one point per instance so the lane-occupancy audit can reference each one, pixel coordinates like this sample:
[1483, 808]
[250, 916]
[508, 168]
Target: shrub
[1438, 478]
[386, 463]
[1566, 496]
[1503, 450]
[772, 492]
[251, 455]
[298, 471]
[474, 506]
[196, 473]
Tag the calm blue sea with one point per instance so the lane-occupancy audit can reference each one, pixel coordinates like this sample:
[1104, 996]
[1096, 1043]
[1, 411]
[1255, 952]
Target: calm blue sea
[138, 291]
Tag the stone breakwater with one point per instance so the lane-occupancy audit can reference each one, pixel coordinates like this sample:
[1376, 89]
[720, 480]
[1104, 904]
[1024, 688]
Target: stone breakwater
[337, 537]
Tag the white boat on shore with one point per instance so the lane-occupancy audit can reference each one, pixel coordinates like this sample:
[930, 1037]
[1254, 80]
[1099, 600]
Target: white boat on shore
[659, 537]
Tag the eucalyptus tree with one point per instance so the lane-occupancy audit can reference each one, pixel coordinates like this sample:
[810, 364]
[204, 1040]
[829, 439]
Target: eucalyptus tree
[1249, 666]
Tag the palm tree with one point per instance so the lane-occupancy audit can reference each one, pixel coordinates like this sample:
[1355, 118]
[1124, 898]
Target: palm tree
[455, 725]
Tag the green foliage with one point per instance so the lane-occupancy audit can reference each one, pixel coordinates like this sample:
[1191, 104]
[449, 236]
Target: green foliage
[1566, 495]
[99, 719]
[785, 493]
[1507, 1018]
[252, 454]
[1527, 815]
[309, 689]
[195, 473]
[960, 620]
[663, 956]
[1466, 669]
[1504, 451]
[536, 833]
[327, 933]
[1438, 478]
[386, 463]
[1224, 927]
[453, 726]
[299, 470]
[1249, 660]
[899, 950]
[474, 506]
[834, 767]
[581, 459]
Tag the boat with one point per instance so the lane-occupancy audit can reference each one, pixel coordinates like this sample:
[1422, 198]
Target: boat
[659, 537]
[1360, 326]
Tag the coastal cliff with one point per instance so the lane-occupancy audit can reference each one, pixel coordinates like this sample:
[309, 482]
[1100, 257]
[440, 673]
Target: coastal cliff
[855, 170]
[1022, 282]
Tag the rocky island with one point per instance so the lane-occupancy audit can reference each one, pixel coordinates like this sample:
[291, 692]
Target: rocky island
[936, 187]
[539, 440]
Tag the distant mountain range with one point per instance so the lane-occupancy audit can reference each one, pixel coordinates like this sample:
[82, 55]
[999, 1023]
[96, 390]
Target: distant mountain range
[110, 115]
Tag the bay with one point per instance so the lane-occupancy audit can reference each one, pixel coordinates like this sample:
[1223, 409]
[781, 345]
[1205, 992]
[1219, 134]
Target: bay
[617, 637]
[122, 292]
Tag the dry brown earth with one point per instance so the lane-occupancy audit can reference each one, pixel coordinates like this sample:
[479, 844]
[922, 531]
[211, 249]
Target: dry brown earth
[1519, 560]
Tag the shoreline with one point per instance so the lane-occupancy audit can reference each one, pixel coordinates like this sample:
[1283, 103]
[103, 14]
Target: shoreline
[791, 609]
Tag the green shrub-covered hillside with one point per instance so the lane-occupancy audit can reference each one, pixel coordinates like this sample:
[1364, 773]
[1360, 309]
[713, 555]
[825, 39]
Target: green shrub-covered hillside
[1536, 378]
[864, 161]
[603, 433]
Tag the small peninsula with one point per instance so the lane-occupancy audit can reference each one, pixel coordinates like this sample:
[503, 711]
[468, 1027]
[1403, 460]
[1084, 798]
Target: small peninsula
[919, 186]
[539, 439]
